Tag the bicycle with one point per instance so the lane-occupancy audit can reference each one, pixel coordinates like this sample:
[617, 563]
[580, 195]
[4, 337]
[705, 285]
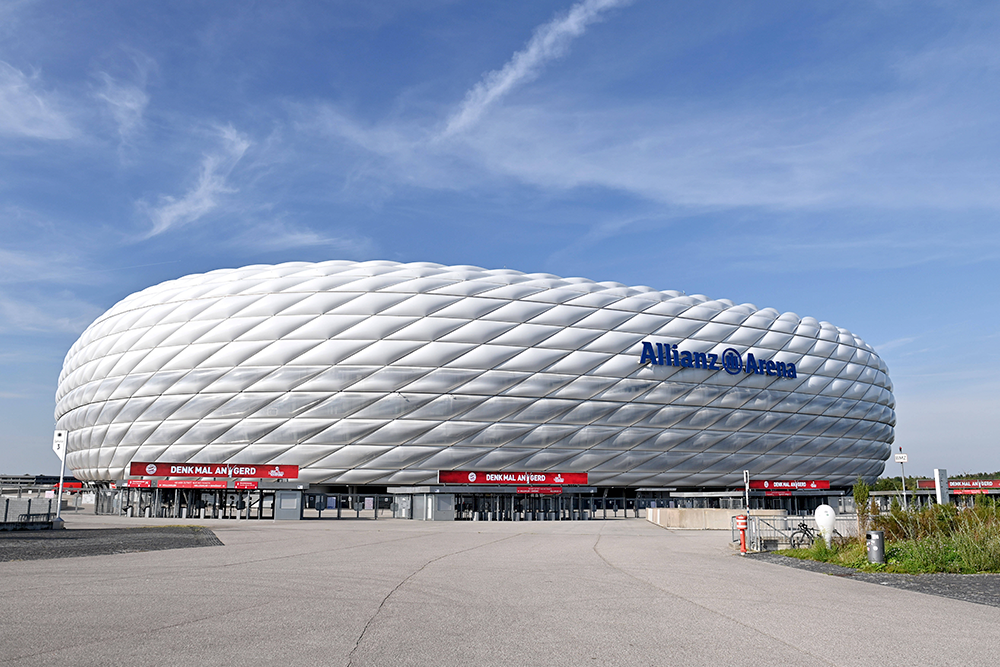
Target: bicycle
[804, 536]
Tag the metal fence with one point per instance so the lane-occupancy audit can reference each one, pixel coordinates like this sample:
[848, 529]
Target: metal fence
[769, 533]
[107, 501]
[28, 512]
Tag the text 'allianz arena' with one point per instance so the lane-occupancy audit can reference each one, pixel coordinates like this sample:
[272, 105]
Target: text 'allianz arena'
[379, 373]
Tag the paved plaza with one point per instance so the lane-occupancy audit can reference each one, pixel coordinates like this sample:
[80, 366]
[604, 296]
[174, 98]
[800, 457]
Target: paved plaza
[393, 592]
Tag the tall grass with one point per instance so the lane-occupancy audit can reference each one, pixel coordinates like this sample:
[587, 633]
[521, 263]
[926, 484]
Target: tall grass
[938, 538]
[942, 538]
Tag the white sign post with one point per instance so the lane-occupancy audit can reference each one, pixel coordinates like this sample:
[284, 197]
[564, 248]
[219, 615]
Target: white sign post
[746, 490]
[59, 447]
[901, 458]
[941, 486]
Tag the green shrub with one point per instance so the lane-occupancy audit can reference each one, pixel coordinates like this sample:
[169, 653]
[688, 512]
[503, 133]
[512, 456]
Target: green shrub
[977, 538]
[821, 552]
[938, 538]
[862, 496]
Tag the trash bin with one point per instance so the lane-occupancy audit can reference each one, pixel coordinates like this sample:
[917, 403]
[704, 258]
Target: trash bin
[875, 540]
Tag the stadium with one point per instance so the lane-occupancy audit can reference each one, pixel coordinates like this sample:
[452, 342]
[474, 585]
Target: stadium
[411, 379]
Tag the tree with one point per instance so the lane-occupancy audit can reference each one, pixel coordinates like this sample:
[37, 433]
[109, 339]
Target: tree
[862, 493]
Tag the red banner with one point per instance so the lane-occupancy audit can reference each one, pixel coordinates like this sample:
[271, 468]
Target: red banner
[973, 483]
[962, 484]
[777, 493]
[139, 484]
[189, 484]
[789, 484]
[244, 485]
[138, 469]
[544, 490]
[481, 477]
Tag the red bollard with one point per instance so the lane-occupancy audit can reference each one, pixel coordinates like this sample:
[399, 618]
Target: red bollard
[741, 524]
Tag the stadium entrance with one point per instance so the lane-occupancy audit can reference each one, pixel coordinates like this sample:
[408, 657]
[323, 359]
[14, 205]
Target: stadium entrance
[193, 499]
[509, 506]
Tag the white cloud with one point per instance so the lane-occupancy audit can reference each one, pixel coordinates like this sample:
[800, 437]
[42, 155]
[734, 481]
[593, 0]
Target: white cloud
[127, 103]
[882, 348]
[782, 156]
[280, 235]
[28, 300]
[205, 195]
[777, 156]
[15, 266]
[37, 251]
[910, 145]
[45, 312]
[27, 111]
[549, 41]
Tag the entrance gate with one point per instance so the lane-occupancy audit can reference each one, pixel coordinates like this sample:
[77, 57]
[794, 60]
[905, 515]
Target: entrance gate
[468, 505]
[523, 507]
[348, 505]
[187, 503]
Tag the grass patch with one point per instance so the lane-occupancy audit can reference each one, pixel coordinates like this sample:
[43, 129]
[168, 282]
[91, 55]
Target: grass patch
[939, 538]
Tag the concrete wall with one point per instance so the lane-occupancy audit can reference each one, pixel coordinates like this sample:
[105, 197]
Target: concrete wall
[699, 519]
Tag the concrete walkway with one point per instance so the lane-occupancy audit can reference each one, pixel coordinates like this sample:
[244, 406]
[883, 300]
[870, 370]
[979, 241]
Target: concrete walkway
[393, 592]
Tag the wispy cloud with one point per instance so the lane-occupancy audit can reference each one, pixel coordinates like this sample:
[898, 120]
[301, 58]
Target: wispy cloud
[45, 312]
[28, 111]
[859, 240]
[35, 248]
[913, 144]
[16, 266]
[30, 300]
[549, 41]
[894, 344]
[276, 235]
[211, 186]
[127, 103]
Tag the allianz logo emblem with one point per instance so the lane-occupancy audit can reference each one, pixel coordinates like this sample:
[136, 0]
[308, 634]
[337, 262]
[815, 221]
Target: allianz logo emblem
[665, 354]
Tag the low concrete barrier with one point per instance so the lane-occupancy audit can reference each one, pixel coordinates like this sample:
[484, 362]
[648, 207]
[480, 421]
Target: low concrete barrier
[700, 519]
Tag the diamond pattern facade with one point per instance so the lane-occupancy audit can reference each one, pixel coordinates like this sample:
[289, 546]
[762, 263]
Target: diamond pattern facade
[384, 373]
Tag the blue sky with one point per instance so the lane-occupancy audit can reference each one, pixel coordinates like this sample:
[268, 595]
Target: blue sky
[836, 161]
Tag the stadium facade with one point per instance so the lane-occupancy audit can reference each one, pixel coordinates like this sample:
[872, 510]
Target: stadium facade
[378, 374]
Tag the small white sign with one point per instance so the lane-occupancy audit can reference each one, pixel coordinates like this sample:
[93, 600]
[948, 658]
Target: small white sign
[901, 458]
[59, 444]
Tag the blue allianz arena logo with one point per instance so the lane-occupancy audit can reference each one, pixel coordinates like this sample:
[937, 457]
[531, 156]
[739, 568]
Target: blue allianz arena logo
[665, 354]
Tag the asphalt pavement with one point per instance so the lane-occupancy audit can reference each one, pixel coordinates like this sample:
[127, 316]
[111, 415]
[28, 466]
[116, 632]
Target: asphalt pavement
[394, 592]
[44, 544]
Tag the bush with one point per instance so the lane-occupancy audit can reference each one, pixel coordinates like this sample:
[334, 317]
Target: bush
[862, 497]
[898, 524]
[977, 538]
[938, 538]
[942, 538]
[821, 552]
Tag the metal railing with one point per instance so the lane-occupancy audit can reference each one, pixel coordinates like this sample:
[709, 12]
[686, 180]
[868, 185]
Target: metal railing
[769, 533]
[23, 511]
